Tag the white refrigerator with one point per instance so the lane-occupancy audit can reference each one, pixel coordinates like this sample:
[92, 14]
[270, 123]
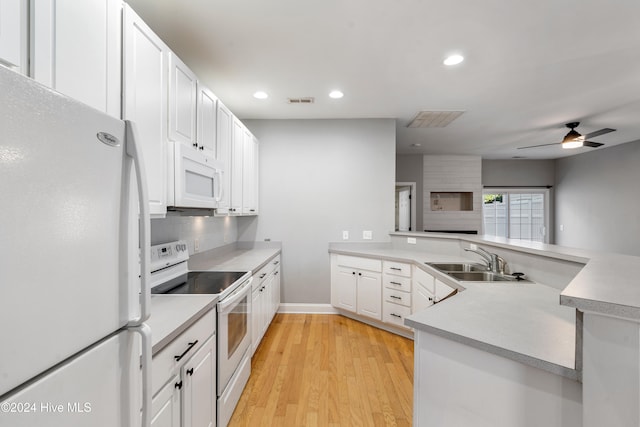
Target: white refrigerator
[74, 349]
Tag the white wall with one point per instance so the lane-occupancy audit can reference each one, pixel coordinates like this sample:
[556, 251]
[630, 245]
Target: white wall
[598, 200]
[211, 232]
[318, 178]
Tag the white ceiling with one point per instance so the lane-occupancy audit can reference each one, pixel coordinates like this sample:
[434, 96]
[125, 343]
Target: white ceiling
[530, 67]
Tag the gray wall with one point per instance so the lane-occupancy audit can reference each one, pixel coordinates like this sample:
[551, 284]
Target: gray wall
[597, 200]
[409, 169]
[518, 173]
[318, 178]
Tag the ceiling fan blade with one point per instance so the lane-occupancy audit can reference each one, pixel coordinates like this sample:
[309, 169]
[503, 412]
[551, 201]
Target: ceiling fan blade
[541, 145]
[598, 133]
[592, 144]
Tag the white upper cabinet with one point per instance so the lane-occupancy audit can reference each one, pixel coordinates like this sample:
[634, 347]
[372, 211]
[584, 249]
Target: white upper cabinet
[145, 101]
[183, 86]
[207, 118]
[237, 149]
[224, 125]
[14, 35]
[76, 50]
[250, 174]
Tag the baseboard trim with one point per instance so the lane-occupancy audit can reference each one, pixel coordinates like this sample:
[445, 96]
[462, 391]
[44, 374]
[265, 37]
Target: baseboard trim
[307, 308]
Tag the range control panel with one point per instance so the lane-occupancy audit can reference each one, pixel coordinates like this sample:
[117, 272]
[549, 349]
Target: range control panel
[168, 254]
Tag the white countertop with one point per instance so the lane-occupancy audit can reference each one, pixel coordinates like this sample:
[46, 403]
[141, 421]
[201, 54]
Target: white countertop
[521, 321]
[173, 314]
[236, 259]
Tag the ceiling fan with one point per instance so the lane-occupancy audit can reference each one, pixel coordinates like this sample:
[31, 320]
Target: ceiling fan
[574, 140]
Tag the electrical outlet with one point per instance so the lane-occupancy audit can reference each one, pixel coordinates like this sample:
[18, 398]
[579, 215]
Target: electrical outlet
[196, 245]
[473, 247]
[367, 235]
[411, 240]
[561, 227]
[345, 235]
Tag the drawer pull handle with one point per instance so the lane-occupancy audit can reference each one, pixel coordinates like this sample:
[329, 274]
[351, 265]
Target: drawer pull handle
[276, 262]
[178, 385]
[191, 344]
[396, 315]
[190, 372]
[396, 283]
[262, 275]
[395, 297]
[395, 268]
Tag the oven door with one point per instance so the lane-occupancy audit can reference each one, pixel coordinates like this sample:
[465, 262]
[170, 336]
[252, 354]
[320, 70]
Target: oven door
[198, 178]
[234, 335]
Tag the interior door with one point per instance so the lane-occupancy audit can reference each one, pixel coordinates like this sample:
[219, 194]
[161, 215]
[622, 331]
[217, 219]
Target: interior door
[404, 209]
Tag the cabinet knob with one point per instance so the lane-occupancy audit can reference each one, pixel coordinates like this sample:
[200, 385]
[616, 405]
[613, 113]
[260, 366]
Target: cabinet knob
[178, 385]
[201, 147]
[359, 274]
[190, 371]
[195, 144]
[353, 273]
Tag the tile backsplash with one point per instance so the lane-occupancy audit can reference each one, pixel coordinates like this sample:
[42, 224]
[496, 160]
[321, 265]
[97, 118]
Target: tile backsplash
[210, 232]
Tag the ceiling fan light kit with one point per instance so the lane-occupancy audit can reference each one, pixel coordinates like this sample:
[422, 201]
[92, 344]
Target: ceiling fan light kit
[575, 140]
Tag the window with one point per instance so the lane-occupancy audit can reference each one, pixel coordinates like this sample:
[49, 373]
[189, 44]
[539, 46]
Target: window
[516, 213]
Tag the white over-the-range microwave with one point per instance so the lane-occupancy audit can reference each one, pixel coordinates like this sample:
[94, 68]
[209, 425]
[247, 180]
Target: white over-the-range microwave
[195, 178]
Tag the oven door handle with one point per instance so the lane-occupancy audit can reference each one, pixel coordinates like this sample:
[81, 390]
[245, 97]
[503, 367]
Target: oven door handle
[236, 296]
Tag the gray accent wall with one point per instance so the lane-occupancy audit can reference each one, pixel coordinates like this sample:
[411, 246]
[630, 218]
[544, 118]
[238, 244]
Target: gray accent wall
[518, 173]
[598, 200]
[318, 178]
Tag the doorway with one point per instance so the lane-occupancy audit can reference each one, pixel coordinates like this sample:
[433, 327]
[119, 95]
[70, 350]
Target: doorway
[405, 206]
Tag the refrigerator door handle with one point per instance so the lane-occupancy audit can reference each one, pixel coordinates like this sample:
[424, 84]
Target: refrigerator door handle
[145, 333]
[135, 152]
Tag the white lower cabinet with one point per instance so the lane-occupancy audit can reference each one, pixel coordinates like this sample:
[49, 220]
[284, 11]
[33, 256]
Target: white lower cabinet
[184, 378]
[356, 285]
[265, 300]
[396, 293]
[427, 290]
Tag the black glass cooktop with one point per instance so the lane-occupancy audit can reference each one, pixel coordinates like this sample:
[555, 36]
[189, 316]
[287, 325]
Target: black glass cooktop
[200, 282]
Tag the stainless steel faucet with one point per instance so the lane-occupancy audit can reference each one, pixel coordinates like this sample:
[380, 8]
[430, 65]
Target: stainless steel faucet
[495, 262]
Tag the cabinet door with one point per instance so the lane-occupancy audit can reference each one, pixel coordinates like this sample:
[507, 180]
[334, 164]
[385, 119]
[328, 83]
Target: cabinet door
[14, 37]
[223, 153]
[207, 114]
[145, 101]
[250, 174]
[343, 288]
[165, 405]
[77, 50]
[256, 319]
[423, 290]
[369, 294]
[199, 389]
[275, 292]
[442, 290]
[237, 148]
[182, 102]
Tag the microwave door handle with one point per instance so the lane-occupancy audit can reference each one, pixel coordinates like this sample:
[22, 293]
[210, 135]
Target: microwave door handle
[220, 187]
[235, 296]
[135, 152]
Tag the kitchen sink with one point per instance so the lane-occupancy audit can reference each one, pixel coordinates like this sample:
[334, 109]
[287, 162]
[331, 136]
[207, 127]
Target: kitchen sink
[480, 276]
[450, 267]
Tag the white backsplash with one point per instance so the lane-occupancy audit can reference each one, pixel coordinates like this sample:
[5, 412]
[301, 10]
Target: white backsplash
[210, 232]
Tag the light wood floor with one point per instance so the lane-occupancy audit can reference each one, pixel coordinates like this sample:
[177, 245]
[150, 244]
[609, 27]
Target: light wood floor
[328, 370]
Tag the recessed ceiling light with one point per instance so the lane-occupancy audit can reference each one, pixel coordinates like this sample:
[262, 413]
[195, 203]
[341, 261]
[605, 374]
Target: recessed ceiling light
[260, 95]
[336, 94]
[453, 60]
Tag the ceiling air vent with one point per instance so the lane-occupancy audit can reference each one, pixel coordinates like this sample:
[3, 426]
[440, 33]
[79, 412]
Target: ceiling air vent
[434, 119]
[306, 100]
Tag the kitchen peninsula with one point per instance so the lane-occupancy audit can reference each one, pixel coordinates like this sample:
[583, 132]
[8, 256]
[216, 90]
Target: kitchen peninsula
[560, 350]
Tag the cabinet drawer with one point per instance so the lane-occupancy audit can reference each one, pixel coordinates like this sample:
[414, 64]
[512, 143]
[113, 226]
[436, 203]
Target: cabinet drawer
[359, 263]
[397, 297]
[397, 282]
[164, 363]
[397, 268]
[261, 275]
[395, 314]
